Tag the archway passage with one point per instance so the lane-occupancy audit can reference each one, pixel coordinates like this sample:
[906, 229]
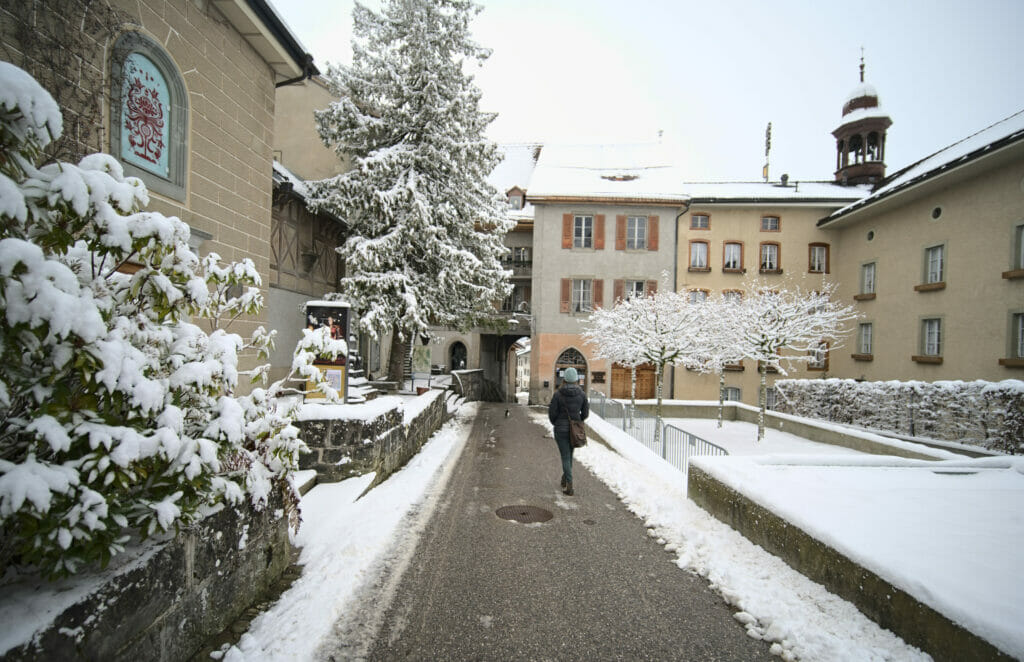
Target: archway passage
[622, 378]
[571, 358]
[457, 357]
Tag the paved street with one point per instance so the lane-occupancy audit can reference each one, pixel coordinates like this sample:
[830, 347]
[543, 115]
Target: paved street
[587, 584]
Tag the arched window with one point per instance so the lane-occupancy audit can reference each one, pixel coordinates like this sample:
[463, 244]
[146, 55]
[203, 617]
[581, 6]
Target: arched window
[571, 358]
[148, 114]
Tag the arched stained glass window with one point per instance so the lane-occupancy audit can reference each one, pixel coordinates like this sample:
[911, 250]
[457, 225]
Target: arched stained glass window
[148, 114]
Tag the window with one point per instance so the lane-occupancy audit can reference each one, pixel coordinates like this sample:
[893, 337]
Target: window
[697, 296]
[867, 278]
[818, 259]
[732, 394]
[934, 264]
[698, 256]
[1018, 333]
[733, 256]
[636, 232]
[515, 201]
[700, 222]
[770, 224]
[732, 296]
[582, 296]
[149, 110]
[770, 258]
[1018, 243]
[583, 232]
[771, 397]
[634, 288]
[521, 255]
[865, 333]
[931, 337]
[819, 357]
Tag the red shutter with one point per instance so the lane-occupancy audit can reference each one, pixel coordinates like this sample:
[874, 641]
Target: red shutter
[566, 293]
[620, 233]
[618, 285]
[652, 287]
[599, 232]
[566, 230]
[652, 233]
[598, 293]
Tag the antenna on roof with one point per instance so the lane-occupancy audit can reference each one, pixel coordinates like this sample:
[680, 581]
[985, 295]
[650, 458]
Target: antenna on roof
[862, 64]
[767, 148]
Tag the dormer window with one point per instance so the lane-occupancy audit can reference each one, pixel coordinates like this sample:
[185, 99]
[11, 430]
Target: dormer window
[515, 201]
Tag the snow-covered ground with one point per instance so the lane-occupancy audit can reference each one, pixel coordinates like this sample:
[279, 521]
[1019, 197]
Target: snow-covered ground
[346, 543]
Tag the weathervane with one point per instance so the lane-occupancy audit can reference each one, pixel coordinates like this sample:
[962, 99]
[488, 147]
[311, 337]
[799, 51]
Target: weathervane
[767, 148]
[862, 64]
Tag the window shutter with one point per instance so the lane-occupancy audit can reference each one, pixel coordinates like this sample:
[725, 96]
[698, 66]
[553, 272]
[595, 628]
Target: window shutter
[598, 293]
[620, 233]
[599, 232]
[566, 293]
[652, 233]
[618, 285]
[566, 230]
[652, 287]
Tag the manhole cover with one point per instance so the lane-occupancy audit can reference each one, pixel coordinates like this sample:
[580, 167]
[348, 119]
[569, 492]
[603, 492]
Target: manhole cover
[524, 514]
[589, 521]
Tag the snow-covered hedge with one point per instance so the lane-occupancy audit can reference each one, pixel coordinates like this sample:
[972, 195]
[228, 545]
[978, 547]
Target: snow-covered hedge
[987, 414]
[117, 412]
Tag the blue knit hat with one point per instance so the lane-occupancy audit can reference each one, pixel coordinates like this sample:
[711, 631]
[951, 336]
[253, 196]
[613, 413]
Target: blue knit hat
[570, 376]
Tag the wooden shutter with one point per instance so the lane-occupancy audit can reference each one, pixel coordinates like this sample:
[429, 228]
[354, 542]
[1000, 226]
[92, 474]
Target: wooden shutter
[599, 232]
[598, 293]
[566, 230]
[566, 294]
[652, 287]
[652, 233]
[618, 285]
[620, 233]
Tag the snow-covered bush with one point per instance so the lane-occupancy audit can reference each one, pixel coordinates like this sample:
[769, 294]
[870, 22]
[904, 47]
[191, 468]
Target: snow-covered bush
[117, 412]
[987, 414]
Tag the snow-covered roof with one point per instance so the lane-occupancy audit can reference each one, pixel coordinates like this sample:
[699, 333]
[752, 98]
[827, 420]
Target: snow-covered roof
[516, 169]
[982, 143]
[753, 192]
[635, 172]
[283, 174]
[863, 114]
[862, 90]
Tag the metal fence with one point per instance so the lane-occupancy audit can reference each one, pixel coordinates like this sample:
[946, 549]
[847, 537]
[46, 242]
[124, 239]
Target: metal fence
[675, 445]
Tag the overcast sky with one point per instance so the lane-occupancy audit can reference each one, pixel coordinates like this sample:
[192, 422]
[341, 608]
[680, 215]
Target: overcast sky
[711, 75]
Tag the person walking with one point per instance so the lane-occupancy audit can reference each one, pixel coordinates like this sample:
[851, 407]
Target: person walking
[569, 400]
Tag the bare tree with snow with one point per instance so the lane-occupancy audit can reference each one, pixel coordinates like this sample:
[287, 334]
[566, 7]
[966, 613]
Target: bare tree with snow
[722, 327]
[425, 227]
[787, 324]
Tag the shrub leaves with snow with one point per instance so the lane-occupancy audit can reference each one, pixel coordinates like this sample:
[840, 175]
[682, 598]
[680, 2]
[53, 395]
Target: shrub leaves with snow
[117, 411]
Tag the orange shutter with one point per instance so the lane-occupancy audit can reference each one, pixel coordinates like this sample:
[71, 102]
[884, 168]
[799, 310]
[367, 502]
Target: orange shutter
[618, 285]
[652, 233]
[566, 230]
[599, 232]
[566, 293]
[598, 293]
[620, 233]
[652, 287]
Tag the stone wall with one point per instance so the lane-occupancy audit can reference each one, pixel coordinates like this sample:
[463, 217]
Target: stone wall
[469, 384]
[393, 451]
[166, 604]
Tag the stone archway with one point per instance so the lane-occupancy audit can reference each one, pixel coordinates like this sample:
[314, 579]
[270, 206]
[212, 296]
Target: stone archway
[571, 358]
[457, 356]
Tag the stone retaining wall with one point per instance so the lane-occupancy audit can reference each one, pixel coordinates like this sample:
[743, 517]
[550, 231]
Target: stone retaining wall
[166, 604]
[890, 607]
[394, 450]
[469, 384]
[343, 448]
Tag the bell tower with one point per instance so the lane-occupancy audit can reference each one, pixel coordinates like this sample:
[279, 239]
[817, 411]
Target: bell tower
[860, 139]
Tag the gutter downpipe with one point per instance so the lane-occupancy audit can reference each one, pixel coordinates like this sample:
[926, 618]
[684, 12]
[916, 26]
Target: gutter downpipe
[308, 71]
[675, 273]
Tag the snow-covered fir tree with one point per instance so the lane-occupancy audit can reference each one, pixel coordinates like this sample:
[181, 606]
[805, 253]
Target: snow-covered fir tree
[118, 416]
[788, 323]
[425, 227]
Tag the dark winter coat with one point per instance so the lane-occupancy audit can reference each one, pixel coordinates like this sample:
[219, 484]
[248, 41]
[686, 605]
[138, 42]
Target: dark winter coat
[575, 401]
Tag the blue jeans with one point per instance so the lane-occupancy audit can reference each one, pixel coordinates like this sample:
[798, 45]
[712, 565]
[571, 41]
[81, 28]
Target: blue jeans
[565, 450]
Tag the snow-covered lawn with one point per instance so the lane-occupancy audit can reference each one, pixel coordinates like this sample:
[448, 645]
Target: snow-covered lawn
[947, 532]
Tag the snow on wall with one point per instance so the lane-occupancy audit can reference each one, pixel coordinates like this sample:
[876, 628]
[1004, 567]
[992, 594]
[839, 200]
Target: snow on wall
[986, 414]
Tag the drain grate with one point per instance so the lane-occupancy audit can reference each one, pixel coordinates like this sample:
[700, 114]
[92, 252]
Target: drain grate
[524, 514]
